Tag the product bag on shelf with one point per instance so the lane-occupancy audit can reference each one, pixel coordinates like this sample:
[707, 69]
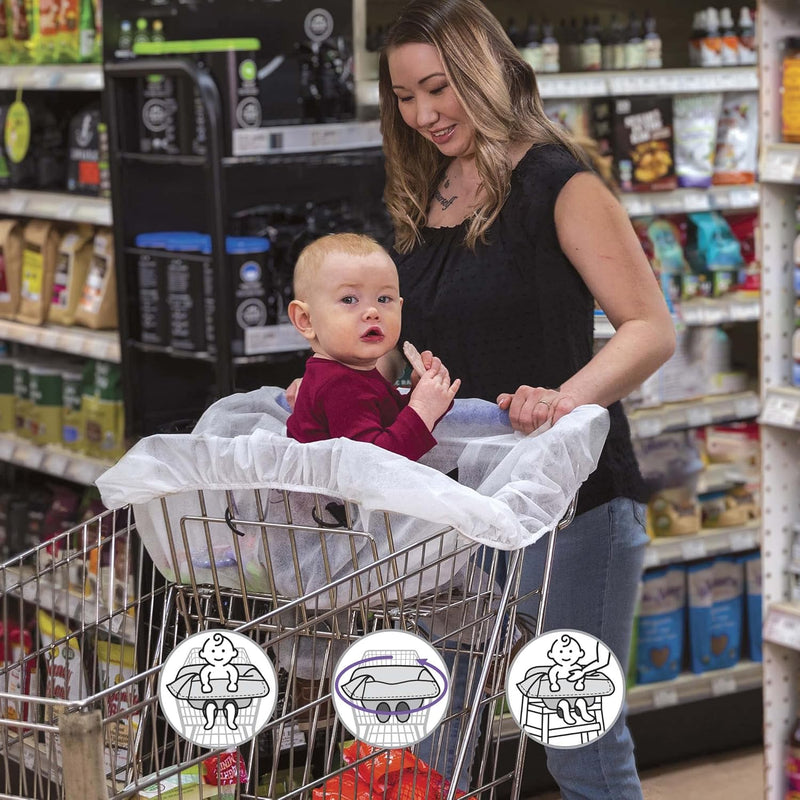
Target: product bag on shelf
[74, 257]
[695, 120]
[103, 412]
[83, 143]
[38, 271]
[512, 489]
[7, 397]
[716, 599]
[662, 619]
[753, 613]
[736, 157]
[97, 307]
[11, 245]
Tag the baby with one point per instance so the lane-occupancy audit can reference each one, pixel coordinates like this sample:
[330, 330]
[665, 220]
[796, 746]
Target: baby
[566, 652]
[218, 651]
[347, 306]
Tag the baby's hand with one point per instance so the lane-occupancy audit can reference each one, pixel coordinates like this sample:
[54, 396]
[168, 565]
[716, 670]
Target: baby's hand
[432, 395]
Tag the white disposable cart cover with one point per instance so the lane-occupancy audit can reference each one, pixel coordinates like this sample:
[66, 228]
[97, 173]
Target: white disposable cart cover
[511, 490]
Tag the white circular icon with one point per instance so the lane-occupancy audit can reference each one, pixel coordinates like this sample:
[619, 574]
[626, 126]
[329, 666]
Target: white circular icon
[565, 689]
[218, 688]
[391, 689]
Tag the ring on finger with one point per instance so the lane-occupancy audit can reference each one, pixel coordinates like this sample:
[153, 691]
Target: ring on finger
[543, 402]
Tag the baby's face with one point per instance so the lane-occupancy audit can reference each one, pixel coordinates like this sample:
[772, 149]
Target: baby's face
[564, 653]
[355, 308]
[221, 652]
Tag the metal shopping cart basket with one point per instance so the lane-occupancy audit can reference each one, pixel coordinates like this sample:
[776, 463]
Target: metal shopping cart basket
[238, 559]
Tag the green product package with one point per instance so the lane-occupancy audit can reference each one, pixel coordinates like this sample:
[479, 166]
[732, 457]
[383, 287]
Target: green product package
[72, 421]
[22, 404]
[7, 397]
[103, 413]
[46, 399]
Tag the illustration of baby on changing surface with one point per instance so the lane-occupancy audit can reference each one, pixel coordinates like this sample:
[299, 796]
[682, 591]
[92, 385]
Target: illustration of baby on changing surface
[566, 654]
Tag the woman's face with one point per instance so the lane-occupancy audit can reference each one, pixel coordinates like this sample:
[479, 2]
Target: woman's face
[426, 100]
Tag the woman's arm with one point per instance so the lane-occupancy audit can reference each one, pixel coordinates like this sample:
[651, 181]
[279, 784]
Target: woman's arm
[596, 235]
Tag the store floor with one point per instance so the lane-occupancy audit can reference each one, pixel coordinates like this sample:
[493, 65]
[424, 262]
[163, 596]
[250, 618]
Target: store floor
[729, 776]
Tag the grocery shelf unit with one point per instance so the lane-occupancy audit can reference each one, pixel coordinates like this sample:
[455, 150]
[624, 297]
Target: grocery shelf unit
[780, 423]
[162, 385]
[62, 206]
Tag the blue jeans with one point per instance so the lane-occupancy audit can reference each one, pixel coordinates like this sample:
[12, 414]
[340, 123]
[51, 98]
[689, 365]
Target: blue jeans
[596, 569]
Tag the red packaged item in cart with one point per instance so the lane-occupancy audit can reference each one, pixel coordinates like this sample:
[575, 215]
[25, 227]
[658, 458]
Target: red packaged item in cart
[227, 769]
[15, 644]
[347, 786]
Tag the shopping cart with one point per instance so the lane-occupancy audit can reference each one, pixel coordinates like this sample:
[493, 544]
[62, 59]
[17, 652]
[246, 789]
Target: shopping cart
[238, 559]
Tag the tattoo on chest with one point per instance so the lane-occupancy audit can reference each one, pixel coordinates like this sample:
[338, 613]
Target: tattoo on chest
[444, 202]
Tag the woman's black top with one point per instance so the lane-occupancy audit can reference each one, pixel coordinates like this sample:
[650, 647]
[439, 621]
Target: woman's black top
[514, 311]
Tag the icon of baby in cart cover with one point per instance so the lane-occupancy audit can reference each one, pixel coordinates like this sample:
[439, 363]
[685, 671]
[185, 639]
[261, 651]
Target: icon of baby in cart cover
[566, 688]
[218, 689]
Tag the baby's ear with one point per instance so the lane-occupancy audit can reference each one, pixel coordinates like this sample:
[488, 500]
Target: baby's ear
[300, 316]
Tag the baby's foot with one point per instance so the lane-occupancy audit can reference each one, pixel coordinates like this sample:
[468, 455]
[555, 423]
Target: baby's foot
[210, 714]
[583, 710]
[566, 714]
[230, 714]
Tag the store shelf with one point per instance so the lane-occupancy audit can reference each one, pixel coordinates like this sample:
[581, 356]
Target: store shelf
[720, 310]
[782, 408]
[602, 84]
[687, 201]
[56, 205]
[780, 163]
[706, 311]
[102, 345]
[51, 460]
[249, 142]
[711, 542]
[88, 610]
[647, 422]
[688, 687]
[68, 77]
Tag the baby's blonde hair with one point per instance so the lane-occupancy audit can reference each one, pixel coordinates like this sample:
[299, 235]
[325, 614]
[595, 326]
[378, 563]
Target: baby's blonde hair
[313, 256]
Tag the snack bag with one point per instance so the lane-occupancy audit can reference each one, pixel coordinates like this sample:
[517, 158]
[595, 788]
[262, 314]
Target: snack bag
[736, 155]
[695, 121]
[11, 244]
[38, 271]
[74, 258]
[97, 307]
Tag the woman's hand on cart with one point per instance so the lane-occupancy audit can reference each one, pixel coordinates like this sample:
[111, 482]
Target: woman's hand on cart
[531, 407]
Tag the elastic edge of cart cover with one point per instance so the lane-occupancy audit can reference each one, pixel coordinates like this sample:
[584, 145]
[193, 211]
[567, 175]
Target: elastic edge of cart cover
[512, 488]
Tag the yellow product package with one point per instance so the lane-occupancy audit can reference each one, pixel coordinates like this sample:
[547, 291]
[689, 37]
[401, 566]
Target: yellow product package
[10, 266]
[38, 271]
[103, 413]
[72, 266]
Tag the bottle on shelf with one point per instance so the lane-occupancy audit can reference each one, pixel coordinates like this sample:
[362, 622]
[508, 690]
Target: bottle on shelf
[652, 43]
[730, 41]
[142, 34]
[696, 38]
[591, 54]
[747, 49]
[551, 56]
[711, 45]
[125, 40]
[532, 49]
[634, 45]
[158, 31]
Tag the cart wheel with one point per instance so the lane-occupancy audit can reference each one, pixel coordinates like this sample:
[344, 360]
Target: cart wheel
[403, 711]
[384, 712]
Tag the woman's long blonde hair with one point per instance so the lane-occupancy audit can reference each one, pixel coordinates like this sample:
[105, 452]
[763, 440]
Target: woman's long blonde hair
[497, 90]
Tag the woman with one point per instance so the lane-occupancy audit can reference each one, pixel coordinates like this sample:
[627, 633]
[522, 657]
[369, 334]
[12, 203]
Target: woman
[504, 238]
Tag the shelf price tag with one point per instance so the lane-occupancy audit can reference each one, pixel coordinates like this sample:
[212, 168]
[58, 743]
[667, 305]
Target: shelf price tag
[723, 684]
[7, 445]
[696, 201]
[743, 540]
[698, 416]
[781, 410]
[782, 628]
[781, 165]
[648, 426]
[693, 548]
[663, 698]
[651, 557]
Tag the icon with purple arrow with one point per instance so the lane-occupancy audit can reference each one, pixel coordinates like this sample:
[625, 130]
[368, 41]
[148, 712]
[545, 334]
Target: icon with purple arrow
[391, 689]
